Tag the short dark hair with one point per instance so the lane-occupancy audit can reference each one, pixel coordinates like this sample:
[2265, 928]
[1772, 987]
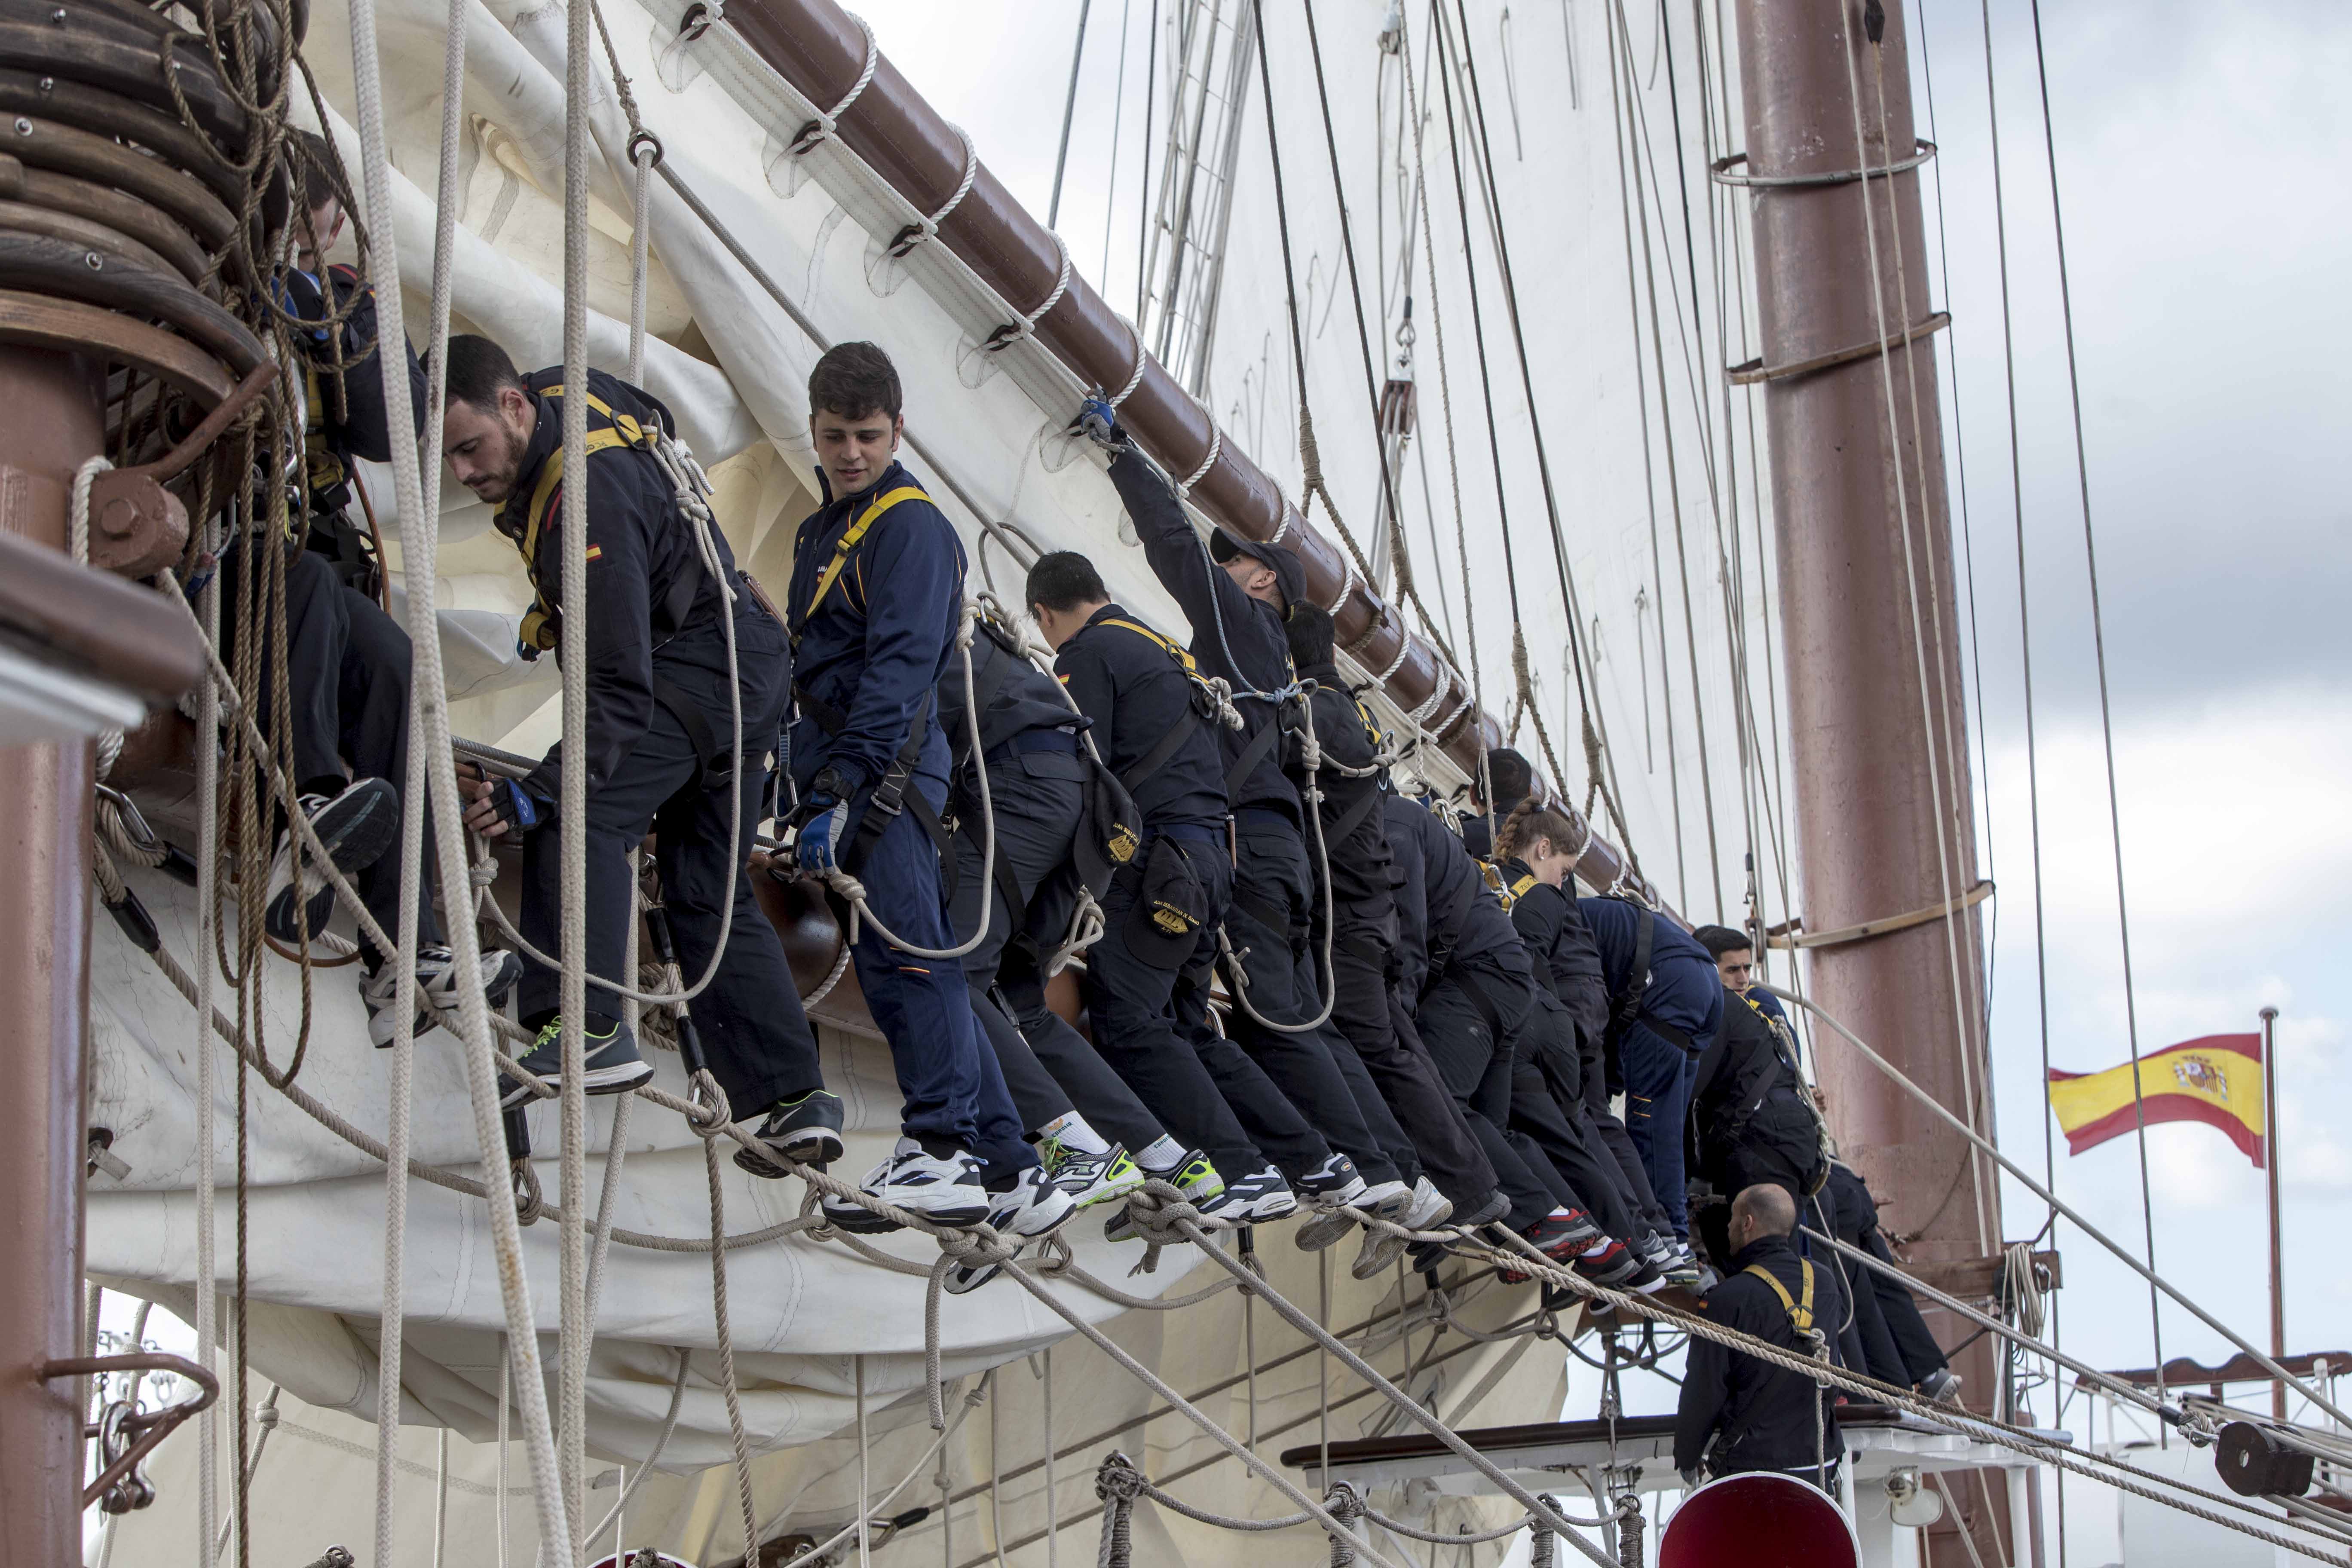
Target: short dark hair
[318, 160]
[854, 380]
[478, 370]
[1511, 776]
[1064, 580]
[1310, 634]
[1720, 940]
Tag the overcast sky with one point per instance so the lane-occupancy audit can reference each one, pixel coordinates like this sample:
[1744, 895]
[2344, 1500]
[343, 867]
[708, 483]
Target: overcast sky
[2207, 223]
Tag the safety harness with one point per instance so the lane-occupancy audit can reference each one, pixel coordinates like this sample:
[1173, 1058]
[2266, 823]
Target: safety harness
[891, 795]
[1203, 707]
[1625, 1006]
[609, 430]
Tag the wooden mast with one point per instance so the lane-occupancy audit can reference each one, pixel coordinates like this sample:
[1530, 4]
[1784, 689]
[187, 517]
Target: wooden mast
[1882, 774]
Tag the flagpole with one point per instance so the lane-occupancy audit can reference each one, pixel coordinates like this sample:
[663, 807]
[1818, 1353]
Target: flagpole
[2270, 1165]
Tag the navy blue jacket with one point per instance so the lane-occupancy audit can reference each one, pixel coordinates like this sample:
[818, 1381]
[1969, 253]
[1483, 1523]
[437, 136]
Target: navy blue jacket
[1135, 691]
[646, 582]
[1234, 636]
[1551, 922]
[1014, 695]
[352, 420]
[1764, 1414]
[875, 649]
[1445, 912]
[1686, 990]
[1360, 863]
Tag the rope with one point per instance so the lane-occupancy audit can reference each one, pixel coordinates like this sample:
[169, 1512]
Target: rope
[419, 550]
[1004, 337]
[926, 228]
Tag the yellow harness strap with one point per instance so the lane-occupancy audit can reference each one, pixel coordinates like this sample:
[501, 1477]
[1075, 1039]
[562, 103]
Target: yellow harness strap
[1519, 888]
[1169, 648]
[850, 537]
[1800, 1312]
[539, 629]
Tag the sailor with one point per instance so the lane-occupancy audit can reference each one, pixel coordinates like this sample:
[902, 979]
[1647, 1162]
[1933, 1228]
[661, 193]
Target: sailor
[1234, 594]
[1535, 858]
[1513, 779]
[1039, 766]
[660, 754]
[347, 661]
[1737, 1413]
[1665, 1003]
[1147, 975]
[1751, 1120]
[1463, 976]
[1441, 1154]
[875, 604]
[1735, 960]
[1896, 1343]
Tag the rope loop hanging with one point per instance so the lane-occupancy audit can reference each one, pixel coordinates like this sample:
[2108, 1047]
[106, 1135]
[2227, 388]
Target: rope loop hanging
[1135, 376]
[826, 127]
[925, 229]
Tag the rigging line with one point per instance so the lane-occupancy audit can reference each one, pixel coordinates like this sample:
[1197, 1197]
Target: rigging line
[1968, 536]
[1570, 603]
[1964, 933]
[1636, 135]
[1707, 446]
[2099, 649]
[1919, 635]
[1069, 109]
[1143, 177]
[1445, 394]
[1730, 570]
[1355, 290]
[1628, 180]
[1682, 183]
[2025, 621]
[1117, 115]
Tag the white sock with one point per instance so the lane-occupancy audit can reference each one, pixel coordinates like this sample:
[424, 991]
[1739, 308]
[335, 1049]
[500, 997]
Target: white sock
[1071, 1129]
[1161, 1155]
[1598, 1247]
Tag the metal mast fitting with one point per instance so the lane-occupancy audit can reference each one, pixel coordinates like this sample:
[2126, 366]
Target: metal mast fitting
[1884, 826]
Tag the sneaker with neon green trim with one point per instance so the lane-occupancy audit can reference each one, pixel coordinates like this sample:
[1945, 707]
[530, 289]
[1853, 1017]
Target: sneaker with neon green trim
[1193, 1177]
[1091, 1179]
[611, 1063]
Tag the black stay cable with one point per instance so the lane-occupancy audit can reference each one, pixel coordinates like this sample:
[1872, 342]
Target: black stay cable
[1348, 249]
[1600, 756]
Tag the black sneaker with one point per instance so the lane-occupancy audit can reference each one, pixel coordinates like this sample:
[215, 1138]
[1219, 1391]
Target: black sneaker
[1335, 1180]
[1616, 1266]
[1493, 1209]
[1560, 1235]
[611, 1064]
[436, 989]
[806, 1130]
[1257, 1199]
[355, 826]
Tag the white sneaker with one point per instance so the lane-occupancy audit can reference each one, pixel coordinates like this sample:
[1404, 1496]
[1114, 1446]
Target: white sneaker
[1255, 1199]
[1033, 1207]
[354, 826]
[1428, 1209]
[945, 1191]
[436, 989]
[1388, 1200]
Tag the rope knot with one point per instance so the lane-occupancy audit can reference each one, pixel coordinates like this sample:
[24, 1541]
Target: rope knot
[709, 1115]
[1117, 1479]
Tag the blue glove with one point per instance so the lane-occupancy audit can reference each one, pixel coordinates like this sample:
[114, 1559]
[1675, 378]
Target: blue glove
[818, 848]
[517, 807]
[1098, 422]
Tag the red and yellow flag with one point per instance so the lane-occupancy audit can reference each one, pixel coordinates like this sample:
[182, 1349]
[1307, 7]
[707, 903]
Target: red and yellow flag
[2217, 1081]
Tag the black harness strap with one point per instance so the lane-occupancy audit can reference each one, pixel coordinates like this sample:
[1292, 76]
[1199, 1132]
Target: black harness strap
[1352, 818]
[718, 760]
[1260, 744]
[1153, 761]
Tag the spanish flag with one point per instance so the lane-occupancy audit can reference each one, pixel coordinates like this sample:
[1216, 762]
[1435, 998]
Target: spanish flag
[2217, 1081]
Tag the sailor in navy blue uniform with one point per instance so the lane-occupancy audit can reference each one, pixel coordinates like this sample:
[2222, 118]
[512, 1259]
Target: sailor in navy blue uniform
[1147, 975]
[1086, 1119]
[1665, 1003]
[1537, 867]
[875, 603]
[659, 756]
[347, 661]
[1237, 636]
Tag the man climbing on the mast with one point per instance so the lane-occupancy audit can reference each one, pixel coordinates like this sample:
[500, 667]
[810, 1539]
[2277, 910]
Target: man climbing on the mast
[347, 661]
[875, 604]
[659, 756]
[1236, 594]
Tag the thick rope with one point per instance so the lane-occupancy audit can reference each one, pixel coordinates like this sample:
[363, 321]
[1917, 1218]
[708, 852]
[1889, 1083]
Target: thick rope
[418, 536]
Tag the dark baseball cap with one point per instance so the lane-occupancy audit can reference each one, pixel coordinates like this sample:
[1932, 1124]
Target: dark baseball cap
[1289, 576]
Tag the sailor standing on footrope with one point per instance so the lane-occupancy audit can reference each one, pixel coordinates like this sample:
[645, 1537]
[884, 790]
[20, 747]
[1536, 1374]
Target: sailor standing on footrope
[660, 754]
[875, 603]
[1236, 611]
